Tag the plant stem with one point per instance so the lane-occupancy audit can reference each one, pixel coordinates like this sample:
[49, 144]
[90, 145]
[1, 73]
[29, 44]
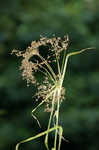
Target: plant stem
[53, 102]
[57, 117]
[49, 67]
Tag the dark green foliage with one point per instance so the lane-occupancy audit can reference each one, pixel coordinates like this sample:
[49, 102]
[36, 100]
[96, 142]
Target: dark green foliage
[21, 22]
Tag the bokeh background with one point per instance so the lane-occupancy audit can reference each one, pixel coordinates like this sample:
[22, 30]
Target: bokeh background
[22, 21]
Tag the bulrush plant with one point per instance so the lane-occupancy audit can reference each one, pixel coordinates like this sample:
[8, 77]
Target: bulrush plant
[51, 91]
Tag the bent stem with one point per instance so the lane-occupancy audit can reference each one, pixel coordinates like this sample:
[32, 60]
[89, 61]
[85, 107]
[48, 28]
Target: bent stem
[67, 57]
[41, 134]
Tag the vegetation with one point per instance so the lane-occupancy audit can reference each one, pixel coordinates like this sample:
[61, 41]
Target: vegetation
[22, 22]
[51, 91]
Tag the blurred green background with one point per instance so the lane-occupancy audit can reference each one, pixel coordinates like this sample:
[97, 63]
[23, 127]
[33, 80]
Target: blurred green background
[22, 21]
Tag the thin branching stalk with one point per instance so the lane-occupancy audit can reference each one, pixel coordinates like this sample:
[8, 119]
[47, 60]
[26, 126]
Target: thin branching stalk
[51, 91]
[49, 67]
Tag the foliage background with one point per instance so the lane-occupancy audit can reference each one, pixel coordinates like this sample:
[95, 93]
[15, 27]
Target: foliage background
[21, 22]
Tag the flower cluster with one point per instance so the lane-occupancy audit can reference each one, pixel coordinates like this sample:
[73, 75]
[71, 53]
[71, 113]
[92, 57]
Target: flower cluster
[38, 63]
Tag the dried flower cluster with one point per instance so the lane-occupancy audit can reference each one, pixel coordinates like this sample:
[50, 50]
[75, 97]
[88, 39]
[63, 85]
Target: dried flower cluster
[39, 63]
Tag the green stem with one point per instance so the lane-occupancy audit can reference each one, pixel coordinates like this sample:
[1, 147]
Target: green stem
[64, 56]
[48, 95]
[46, 138]
[50, 76]
[49, 67]
[57, 116]
[66, 60]
[39, 135]
[58, 66]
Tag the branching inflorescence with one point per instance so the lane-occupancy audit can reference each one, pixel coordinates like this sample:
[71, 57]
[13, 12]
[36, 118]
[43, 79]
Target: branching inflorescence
[50, 91]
